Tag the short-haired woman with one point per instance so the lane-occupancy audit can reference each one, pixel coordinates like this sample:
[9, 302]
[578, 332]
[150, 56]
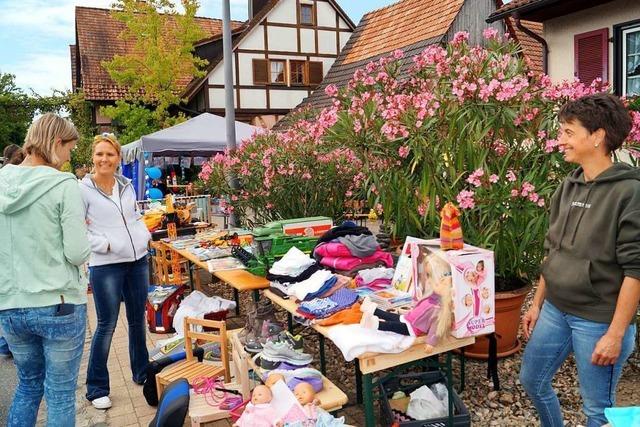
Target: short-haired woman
[589, 289]
[42, 296]
[118, 266]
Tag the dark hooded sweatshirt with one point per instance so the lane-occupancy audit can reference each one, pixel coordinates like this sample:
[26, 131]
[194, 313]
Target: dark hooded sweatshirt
[593, 241]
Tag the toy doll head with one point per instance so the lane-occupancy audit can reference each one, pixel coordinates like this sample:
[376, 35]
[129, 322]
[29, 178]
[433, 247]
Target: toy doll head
[272, 379]
[261, 394]
[304, 393]
[438, 274]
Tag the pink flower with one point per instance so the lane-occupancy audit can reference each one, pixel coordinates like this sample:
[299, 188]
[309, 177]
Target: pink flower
[403, 151]
[540, 202]
[474, 178]
[460, 37]
[331, 90]
[348, 193]
[511, 177]
[534, 197]
[422, 209]
[234, 198]
[269, 205]
[398, 54]
[466, 199]
[493, 178]
[550, 145]
[515, 192]
[306, 175]
[490, 33]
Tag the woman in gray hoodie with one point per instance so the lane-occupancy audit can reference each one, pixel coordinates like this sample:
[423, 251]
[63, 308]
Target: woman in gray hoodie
[118, 265]
[589, 289]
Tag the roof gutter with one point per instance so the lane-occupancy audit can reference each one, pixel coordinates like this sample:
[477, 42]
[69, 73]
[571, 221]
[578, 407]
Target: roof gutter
[539, 39]
[518, 10]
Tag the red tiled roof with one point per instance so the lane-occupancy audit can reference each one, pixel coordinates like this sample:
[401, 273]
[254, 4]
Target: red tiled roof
[387, 29]
[531, 48]
[97, 36]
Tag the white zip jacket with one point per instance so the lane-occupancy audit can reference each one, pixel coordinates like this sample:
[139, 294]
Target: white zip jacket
[116, 235]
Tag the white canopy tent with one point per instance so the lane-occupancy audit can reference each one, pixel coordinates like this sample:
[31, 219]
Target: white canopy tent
[200, 136]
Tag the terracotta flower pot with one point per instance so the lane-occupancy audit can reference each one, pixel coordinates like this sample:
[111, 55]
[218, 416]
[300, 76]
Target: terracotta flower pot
[508, 307]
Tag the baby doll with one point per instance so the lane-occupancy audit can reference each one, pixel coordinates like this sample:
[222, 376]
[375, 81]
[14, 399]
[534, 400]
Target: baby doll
[309, 413]
[431, 316]
[258, 412]
[272, 379]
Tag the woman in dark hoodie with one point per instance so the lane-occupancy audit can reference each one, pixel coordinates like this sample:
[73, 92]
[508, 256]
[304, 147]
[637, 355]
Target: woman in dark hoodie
[589, 288]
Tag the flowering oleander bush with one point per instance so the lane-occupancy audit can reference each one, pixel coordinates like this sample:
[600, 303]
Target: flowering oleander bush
[286, 175]
[465, 124]
[459, 123]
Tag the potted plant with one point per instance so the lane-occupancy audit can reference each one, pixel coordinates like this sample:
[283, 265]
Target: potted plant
[465, 124]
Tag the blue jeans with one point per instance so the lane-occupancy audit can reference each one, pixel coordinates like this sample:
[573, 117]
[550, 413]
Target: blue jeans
[4, 347]
[128, 281]
[47, 350]
[555, 336]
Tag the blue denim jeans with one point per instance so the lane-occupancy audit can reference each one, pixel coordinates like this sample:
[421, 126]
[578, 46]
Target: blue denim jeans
[128, 281]
[555, 336]
[47, 350]
[4, 347]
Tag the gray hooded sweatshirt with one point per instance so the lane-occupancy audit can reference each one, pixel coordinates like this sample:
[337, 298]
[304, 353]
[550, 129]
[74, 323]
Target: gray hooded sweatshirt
[593, 241]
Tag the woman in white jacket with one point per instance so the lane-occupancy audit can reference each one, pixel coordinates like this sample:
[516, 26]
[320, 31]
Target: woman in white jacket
[118, 265]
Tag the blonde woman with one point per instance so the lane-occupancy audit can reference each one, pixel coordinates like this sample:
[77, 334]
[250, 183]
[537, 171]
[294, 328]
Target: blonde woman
[118, 265]
[42, 297]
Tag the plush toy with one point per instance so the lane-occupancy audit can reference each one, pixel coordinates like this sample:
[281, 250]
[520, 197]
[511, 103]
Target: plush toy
[431, 316]
[450, 228]
[258, 412]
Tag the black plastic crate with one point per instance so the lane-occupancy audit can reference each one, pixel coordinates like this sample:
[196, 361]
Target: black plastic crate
[410, 382]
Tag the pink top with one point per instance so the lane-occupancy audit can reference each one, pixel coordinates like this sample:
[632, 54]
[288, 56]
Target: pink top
[423, 318]
[260, 415]
[349, 263]
[332, 249]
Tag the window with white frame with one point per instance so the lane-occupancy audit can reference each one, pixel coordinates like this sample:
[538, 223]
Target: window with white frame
[631, 61]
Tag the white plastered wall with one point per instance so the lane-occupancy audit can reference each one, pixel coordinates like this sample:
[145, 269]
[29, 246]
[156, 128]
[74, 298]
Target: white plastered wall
[560, 32]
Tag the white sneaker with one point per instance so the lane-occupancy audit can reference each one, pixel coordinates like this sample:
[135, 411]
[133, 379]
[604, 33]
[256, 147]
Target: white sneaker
[102, 402]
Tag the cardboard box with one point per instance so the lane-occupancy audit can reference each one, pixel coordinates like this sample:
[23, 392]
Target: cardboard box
[473, 281]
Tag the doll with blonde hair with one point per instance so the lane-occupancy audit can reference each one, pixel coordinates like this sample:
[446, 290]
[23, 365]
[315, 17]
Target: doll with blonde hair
[431, 316]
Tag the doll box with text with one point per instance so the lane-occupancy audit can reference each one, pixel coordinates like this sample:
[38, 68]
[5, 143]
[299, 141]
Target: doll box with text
[473, 281]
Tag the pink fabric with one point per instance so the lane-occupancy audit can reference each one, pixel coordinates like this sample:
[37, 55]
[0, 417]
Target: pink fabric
[332, 249]
[260, 415]
[349, 263]
[423, 318]
[374, 284]
[297, 414]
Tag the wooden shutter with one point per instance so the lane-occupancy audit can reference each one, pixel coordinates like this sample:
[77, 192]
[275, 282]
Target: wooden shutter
[260, 72]
[592, 55]
[315, 73]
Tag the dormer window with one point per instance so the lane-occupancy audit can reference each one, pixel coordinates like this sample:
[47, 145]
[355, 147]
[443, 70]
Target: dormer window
[306, 14]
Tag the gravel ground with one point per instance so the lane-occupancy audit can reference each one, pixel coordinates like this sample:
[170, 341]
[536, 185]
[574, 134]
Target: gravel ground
[507, 407]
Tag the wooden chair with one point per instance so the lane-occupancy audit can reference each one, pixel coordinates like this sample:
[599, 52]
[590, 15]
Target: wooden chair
[191, 368]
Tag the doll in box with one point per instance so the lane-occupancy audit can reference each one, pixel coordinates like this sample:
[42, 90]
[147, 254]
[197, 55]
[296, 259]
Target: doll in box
[259, 412]
[431, 316]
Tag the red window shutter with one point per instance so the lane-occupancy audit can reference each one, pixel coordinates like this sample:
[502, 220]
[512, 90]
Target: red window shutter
[592, 55]
[315, 73]
[260, 72]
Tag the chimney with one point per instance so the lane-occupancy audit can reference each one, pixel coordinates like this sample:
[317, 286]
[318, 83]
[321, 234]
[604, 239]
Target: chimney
[255, 6]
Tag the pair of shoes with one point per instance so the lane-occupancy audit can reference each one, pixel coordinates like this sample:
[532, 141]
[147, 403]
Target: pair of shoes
[269, 330]
[294, 340]
[101, 402]
[275, 352]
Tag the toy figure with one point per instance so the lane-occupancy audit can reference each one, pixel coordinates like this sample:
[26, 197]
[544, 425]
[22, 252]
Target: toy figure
[309, 413]
[431, 316]
[450, 228]
[258, 412]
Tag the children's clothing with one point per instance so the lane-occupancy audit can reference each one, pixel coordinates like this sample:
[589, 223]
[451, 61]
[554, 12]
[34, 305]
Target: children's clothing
[349, 263]
[360, 246]
[260, 415]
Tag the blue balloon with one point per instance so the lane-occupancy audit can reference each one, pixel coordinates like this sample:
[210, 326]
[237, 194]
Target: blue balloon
[154, 173]
[155, 193]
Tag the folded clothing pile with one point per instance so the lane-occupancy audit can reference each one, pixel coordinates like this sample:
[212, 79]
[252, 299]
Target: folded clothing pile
[375, 278]
[320, 308]
[294, 267]
[348, 248]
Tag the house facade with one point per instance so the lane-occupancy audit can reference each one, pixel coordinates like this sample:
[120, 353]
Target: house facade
[280, 56]
[587, 39]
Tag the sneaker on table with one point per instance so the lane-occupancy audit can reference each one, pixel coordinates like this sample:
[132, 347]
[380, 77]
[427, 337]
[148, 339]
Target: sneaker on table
[283, 352]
